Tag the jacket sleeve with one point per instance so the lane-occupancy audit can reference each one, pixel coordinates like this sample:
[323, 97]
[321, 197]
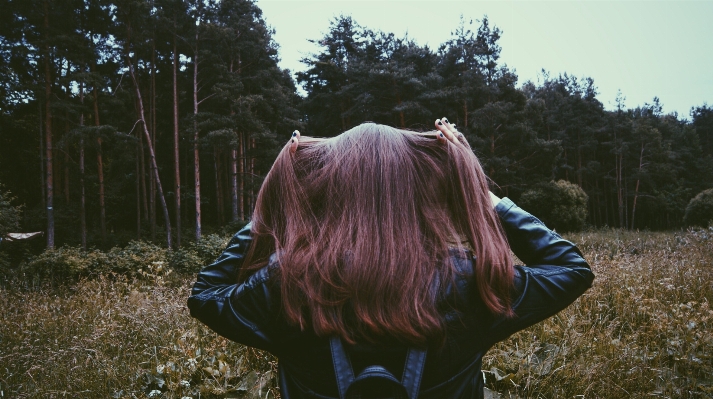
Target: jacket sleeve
[239, 312]
[554, 276]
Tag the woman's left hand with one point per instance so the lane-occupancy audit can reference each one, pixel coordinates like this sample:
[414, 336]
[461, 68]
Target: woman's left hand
[447, 129]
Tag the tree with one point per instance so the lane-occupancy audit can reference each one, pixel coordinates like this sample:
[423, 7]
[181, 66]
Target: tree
[560, 205]
[699, 211]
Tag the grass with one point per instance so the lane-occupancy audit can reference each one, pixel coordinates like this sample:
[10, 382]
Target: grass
[643, 330]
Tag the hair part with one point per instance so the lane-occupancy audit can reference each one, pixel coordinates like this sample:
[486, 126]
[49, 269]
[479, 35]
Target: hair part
[361, 225]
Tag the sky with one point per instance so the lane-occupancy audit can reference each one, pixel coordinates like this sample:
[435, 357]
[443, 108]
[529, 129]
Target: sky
[643, 48]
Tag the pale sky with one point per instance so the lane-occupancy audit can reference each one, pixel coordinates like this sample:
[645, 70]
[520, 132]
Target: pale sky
[643, 48]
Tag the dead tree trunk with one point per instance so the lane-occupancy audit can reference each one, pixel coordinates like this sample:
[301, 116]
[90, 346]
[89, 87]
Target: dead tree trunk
[154, 166]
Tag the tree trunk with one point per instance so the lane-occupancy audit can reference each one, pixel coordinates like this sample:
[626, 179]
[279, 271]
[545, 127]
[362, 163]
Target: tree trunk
[218, 185]
[100, 171]
[48, 135]
[144, 192]
[492, 156]
[139, 154]
[233, 170]
[636, 191]
[252, 175]
[620, 191]
[154, 166]
[626, 200]
[234, 183]
[579, 160]
[196, 154]
[42, 155]
[152, 115]
[241, 172]
[176, 165]
[465, 115]
[65, 178]
[82, 199]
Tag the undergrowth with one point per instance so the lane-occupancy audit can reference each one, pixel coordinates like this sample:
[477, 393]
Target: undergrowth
[643, 330]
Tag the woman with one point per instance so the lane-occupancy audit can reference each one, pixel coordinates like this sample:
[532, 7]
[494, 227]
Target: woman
[375, 250]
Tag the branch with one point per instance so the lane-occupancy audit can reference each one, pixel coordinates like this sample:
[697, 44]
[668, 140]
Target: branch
[132, 129]
[199, 102]
[118, 84]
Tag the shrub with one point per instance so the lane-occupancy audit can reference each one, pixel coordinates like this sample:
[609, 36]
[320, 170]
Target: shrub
[209, 247]
[560, 205]
[9, 214]
[66, 263]
[699, 211]
[137, 259]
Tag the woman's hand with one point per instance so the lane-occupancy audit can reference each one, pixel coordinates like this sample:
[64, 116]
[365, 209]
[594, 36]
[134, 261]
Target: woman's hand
[448, 130]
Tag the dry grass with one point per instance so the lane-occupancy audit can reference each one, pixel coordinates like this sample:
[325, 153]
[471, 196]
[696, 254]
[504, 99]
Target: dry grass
[643, 330]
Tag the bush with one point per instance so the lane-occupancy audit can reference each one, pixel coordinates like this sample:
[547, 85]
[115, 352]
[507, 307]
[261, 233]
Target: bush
[560, 205]
[138, 259]
[9, 214]
[209, 247]
[699, 211]
[65, 263]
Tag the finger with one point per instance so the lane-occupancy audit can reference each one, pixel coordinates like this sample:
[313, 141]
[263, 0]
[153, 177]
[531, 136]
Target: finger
[294, 141]
[451, 127]
[443, 129]
[441, 138]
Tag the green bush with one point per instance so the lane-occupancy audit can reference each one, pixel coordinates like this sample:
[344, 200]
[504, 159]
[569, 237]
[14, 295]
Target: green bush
[138, 259]
[560, 205]
[699, 211]
[9, 214]
[66, 263]
[209, 247]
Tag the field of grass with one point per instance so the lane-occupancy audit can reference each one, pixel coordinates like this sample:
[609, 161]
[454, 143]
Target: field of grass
[642, 331]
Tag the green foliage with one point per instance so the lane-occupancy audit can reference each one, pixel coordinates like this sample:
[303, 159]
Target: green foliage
[560, 205]
[9, 214]
[209, 247]
[699, 211]
[137, 259]
[555, 128]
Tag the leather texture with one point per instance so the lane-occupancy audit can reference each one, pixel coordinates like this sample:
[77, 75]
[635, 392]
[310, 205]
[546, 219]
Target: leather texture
[249, 313]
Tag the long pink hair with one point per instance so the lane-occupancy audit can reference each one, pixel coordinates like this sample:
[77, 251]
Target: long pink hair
[363, 224]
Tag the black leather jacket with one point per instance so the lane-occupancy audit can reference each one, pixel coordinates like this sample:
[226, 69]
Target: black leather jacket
[249, 313]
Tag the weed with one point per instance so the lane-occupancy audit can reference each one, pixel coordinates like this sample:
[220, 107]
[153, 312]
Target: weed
[643, 330]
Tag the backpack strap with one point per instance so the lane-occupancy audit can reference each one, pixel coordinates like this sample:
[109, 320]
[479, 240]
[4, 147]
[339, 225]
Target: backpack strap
[410, 381]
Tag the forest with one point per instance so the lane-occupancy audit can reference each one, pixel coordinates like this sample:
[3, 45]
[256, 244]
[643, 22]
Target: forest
[158, 119]
[135, 135]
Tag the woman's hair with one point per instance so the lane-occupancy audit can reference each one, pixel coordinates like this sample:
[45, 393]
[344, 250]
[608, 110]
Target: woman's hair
[362, 226]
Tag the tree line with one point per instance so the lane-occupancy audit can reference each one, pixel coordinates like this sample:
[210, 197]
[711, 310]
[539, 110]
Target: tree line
[159, 118]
